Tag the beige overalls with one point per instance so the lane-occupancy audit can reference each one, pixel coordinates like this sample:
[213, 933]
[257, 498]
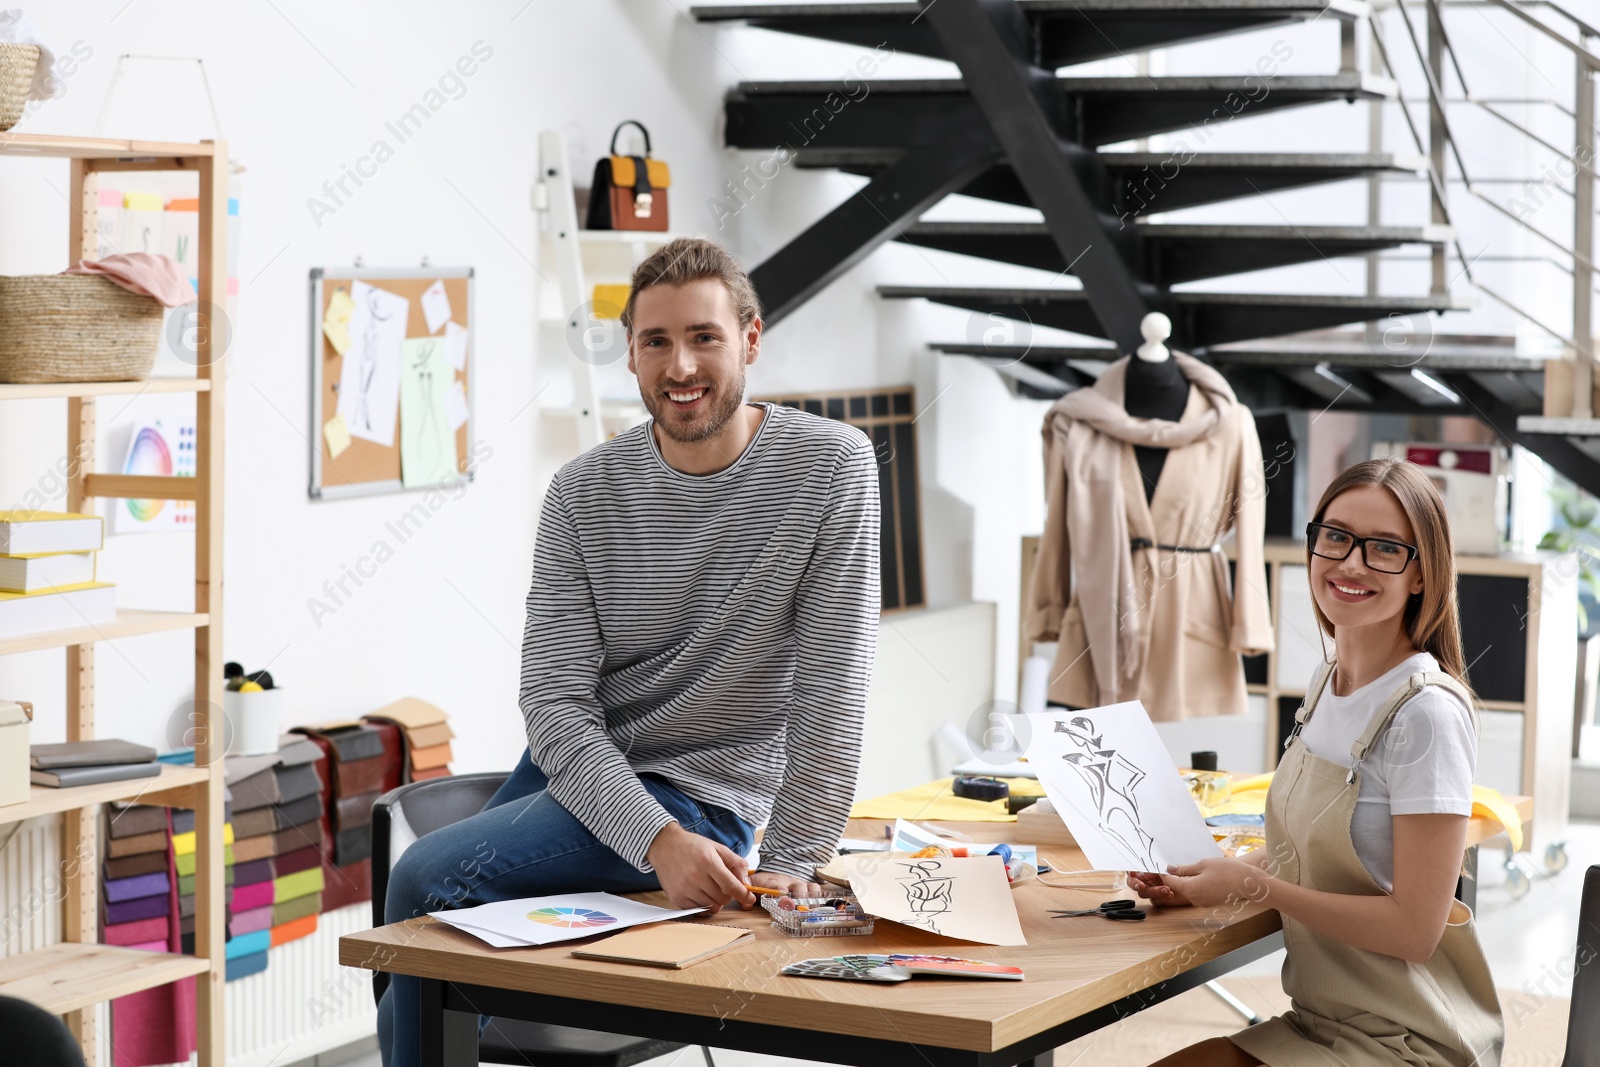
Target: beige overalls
[1353, 1007]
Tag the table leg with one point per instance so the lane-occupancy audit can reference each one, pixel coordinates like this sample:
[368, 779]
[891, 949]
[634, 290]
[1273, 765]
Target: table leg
[449, 1038]
[1044, 1059]
[1467, 884]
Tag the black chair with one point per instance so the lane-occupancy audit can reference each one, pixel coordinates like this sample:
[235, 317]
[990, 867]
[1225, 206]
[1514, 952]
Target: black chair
[36, 1037]
[1583, 1022]
[425, 807]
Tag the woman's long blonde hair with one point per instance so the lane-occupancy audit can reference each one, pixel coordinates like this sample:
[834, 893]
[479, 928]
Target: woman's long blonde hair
[1431, 618]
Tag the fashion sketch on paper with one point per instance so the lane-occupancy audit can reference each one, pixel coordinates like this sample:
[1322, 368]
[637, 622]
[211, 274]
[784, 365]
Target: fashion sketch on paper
[1112, 780]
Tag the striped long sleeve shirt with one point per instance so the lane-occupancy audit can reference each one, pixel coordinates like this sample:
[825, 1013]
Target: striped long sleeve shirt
[716, 630]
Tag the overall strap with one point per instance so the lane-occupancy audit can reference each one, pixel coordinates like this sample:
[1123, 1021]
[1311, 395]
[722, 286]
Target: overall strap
[1307, 705]
[1380, 720]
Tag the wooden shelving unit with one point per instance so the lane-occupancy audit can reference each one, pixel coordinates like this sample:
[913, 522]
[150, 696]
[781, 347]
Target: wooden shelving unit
[72, 977]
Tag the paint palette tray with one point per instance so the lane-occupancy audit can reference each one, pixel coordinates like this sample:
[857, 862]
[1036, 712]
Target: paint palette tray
[813, 921]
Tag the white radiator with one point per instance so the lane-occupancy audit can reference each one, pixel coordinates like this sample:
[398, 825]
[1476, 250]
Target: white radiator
[303, 1004]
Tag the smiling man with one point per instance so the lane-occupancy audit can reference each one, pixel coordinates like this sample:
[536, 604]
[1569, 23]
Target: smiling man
[699, 640]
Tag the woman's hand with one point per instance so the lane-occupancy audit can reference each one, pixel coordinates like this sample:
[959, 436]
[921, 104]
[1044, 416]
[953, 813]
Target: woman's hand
[1153, 887]
[1215, 881]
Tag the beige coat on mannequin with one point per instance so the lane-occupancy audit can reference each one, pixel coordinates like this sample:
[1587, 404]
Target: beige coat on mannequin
[1152, 624]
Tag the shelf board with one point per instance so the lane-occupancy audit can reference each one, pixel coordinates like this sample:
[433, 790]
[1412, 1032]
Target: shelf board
[627, 237]
[72, 976]
[30, 390]
[53, 146]
[129, 623]
[42, 800]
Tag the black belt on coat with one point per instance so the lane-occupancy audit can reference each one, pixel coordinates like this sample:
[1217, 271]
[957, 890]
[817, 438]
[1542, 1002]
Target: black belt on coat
[1135, 544]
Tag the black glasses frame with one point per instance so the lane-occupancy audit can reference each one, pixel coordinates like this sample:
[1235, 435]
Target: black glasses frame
[1357, 542]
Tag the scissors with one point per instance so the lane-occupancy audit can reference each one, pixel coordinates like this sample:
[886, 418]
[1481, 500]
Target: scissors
[1120, 910]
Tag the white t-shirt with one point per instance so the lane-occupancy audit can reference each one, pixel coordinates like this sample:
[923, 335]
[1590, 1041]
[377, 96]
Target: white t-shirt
[1421, 765]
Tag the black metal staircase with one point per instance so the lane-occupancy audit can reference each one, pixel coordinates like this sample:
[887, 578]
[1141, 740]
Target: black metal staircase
[1012, 130]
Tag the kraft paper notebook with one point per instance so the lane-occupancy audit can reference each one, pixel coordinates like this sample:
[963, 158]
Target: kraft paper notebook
[667, 944]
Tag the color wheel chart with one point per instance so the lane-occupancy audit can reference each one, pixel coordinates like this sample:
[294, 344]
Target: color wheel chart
[571, 918]
[162, 451]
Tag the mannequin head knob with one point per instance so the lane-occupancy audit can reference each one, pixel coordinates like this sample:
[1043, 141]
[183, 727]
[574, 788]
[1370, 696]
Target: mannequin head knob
[1155, 328]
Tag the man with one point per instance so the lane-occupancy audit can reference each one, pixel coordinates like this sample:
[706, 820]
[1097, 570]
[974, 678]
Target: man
[700, 634]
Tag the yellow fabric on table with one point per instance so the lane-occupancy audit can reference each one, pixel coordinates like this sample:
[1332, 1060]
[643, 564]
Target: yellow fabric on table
[1249, 797]
[934, 800]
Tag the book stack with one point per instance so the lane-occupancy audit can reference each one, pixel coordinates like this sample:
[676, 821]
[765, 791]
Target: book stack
[47, 573]
[427, 736]
[107, 759]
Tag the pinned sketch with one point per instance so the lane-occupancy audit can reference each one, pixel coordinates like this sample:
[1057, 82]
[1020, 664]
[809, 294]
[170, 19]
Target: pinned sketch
[1108, 774]
[455, 345]
[427, 441]
[336, 320]
[968, 899]
[546, 920]
[435, 306]
[369, 380]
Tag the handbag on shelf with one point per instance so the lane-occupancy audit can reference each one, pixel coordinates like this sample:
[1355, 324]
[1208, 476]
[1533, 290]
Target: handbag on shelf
[628, 192]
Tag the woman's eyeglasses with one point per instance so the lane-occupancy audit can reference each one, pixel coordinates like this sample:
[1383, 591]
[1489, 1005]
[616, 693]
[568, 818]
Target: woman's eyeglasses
[1380, 554]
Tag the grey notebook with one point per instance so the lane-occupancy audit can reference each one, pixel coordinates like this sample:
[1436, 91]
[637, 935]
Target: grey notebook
[107, 772]
[89, 753]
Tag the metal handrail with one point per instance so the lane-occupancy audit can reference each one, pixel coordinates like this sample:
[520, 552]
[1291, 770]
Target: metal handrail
[1436, 97]
[1590, 59]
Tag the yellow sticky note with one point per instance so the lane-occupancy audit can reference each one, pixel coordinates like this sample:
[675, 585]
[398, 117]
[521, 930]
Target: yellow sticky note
[609, 300]
[336, 322]
[338, 435]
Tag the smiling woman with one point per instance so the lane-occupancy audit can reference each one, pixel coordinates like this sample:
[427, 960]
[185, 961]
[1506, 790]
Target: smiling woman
[1368, 809]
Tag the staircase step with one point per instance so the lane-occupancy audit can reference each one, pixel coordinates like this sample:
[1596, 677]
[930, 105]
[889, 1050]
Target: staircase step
[1147, 183]
[1175, 253]
[901, 113]
[1201, 319]
[1064, 31]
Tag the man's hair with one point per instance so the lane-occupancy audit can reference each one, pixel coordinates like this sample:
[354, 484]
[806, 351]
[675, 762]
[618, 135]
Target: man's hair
[688, 259]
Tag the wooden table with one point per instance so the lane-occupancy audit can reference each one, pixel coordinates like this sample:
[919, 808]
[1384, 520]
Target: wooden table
[1082, 974]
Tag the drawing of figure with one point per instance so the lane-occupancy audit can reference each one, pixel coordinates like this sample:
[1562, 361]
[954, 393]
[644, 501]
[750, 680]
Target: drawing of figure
[1111, 779]
[369, 360]
[927, 893]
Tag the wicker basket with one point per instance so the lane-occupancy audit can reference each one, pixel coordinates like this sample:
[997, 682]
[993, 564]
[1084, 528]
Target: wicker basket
[17, 64]
[75, 328]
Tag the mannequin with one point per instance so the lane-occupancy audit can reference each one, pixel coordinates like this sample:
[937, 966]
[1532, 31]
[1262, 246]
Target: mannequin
[1155, 389]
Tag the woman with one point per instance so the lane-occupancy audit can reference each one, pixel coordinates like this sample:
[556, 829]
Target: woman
[1367, 814]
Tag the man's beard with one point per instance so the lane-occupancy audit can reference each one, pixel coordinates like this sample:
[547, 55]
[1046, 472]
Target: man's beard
[726, 398]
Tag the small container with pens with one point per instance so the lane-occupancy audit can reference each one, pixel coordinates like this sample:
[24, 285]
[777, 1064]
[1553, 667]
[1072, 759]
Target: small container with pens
[833, 916]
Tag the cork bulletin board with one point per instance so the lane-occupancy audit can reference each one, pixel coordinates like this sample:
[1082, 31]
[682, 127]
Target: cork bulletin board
[343, 461]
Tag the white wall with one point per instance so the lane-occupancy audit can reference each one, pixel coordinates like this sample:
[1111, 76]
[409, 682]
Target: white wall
[303, 90]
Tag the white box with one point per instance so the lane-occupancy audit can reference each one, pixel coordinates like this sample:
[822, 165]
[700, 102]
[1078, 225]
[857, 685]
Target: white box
[15, 776]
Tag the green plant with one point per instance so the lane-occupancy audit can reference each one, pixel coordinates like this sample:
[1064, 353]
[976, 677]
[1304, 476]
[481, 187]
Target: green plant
[1579, 531]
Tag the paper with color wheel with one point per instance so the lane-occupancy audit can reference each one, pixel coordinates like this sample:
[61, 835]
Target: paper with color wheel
[551, 919]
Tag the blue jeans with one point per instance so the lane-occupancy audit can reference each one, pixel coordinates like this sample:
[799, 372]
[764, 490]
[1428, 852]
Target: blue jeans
[522, 844]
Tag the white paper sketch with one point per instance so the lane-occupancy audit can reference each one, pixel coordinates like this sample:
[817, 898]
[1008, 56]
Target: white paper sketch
[369, 378]
[1117, 789]
[966, 898]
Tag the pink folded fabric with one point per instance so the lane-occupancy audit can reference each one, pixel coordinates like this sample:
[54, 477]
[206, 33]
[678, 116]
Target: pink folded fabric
[251, 897]
[248, 922]
[151, 946]
[142, 272]
[136, 932]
